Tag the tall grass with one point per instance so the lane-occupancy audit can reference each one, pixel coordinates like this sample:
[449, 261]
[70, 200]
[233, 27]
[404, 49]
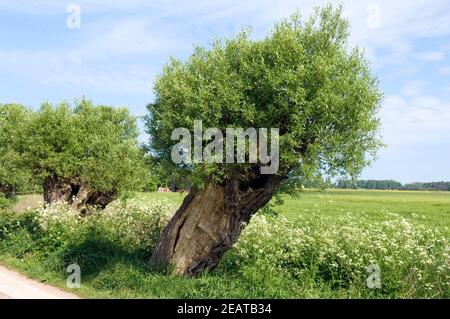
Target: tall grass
[276, 257]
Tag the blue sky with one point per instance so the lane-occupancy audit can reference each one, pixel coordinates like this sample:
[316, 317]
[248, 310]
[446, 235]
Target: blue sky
[121, 46]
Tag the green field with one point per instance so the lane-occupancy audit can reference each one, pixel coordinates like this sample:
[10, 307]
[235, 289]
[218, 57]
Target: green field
[431, 209]
[318, 246]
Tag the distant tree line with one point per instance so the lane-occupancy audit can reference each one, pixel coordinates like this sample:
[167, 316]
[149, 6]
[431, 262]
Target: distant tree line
[390, 185]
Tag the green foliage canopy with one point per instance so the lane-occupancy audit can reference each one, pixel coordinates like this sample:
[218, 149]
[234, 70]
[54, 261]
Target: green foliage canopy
[97, 144]
[12, 174]
[302, 78]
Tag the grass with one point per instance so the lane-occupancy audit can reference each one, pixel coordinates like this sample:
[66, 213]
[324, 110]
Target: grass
[429, 208]
[312, 250]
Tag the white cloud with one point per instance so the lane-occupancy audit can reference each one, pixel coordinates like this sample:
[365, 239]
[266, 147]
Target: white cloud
[132, 35]
[413, 88]
[446, 89]
[119, 37]
[109, 55]
[415, 119]
[400, 21]
[66, 69]
[445, 70]
[431, 56]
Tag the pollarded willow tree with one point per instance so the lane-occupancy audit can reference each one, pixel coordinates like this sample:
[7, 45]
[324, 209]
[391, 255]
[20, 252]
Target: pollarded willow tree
[85, 155]
[303, 79]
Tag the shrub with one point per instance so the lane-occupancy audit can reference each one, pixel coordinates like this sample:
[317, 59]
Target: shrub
[4, 202]
[414, 261]
[306, 256]
[125, 222]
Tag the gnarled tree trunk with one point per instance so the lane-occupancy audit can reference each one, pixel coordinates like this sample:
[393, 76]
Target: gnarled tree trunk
[74, 192]
[7, 190]
[209, 222]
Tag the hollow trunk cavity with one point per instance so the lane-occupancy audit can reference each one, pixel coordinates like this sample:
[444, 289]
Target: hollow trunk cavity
[76, 193]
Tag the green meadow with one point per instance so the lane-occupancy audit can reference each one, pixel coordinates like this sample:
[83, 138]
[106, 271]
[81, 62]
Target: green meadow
[429, 208]
[318, 245]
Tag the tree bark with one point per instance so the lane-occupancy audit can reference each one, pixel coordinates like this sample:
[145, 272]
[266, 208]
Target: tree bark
[208, 223]
[57, 189]
[7, 190]
[76, 193]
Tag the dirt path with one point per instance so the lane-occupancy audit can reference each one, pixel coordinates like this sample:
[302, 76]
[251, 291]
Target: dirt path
[28, 201]
[15, 286]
